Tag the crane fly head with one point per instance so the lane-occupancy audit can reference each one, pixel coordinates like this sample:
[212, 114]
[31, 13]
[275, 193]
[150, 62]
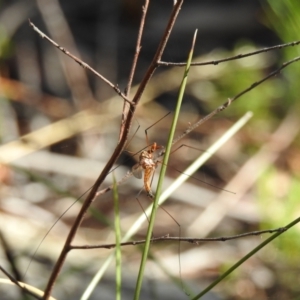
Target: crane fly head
[153, 151]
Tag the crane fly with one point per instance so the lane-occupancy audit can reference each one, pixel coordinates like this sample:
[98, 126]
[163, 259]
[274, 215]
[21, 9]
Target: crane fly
[147, 164]
[148, 161]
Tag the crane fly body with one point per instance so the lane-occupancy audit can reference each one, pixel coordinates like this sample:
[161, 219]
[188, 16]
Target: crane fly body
[147, 163]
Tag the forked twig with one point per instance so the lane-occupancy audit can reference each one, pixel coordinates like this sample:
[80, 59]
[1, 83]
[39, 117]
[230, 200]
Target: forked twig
[80, 62]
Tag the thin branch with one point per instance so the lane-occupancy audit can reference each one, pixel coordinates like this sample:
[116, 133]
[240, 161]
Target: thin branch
[216, 62]
[119, 148]
[154, 64]
[138, 47]
[230, 100]
[134, 63]
[80, 62]
[184, 239]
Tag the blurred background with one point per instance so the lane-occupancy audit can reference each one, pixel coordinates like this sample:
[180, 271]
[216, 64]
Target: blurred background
[60, 124]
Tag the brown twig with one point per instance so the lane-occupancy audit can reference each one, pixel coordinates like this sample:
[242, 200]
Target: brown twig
[119, 148]
[230, 100]
[216, 62]
[184, 239]
[138, 47]
[80, 62]
[134, 62]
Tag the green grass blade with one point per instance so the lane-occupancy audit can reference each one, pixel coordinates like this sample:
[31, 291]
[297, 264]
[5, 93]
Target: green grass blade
[162, 174]
[118, 240]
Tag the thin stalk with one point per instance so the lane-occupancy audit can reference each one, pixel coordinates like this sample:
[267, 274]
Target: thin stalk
[134, 63]
[162, 174]
[118, 240]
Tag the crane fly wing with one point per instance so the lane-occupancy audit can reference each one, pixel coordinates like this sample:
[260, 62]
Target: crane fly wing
[137, 171]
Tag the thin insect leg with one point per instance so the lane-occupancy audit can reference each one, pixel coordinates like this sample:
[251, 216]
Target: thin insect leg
[146, 130]
[185, 145]
[179, 244]
[179, 230]
[193, 177]
[127, 144]
[202, 181]
[179, 234]
[182, 145]
[134, 154]
[129, 141]
[122, 180]
[137, 199]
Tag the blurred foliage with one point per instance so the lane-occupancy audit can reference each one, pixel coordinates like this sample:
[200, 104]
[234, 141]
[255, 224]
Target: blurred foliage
[240, 74]
[6, 47]
[279, 187]
[282, 197]
[283, 18]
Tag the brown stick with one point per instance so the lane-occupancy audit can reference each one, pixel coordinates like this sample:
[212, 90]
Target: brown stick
[134, 62]
[80, 62]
